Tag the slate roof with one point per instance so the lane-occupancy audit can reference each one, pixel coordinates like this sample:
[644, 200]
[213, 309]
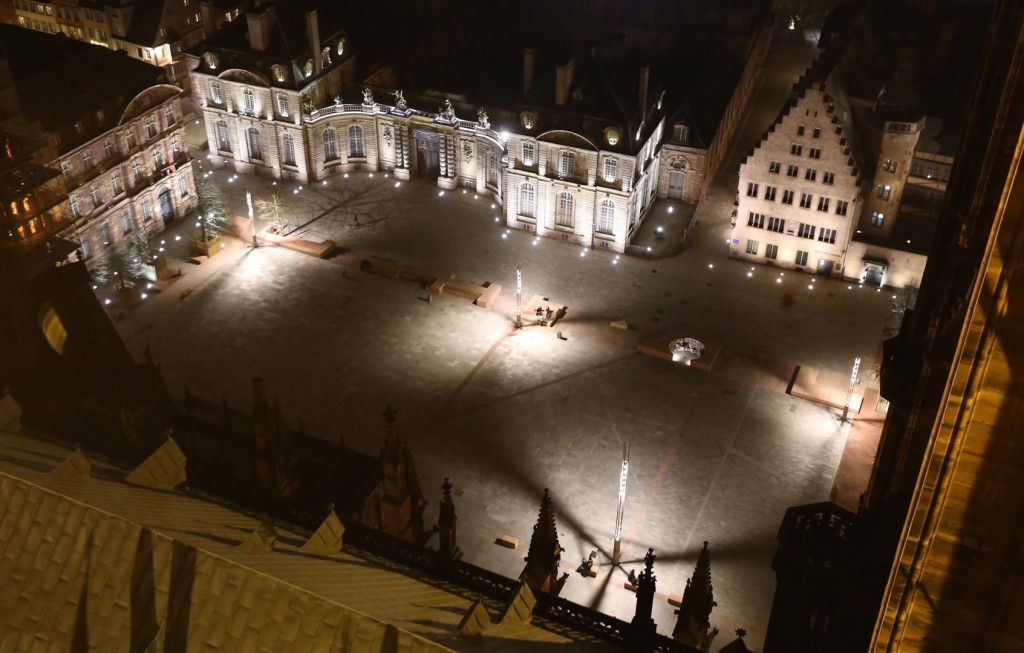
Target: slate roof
[102, 562]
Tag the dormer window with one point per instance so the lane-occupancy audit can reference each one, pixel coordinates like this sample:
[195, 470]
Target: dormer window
[567, 164]
[680, 133]
[340, 49]
[79, 127]
[278, 72]
[215, 92]
[211, 61]
[307, 70]
[249, 101]
[612, 136]
[325, 57]
[529, 119]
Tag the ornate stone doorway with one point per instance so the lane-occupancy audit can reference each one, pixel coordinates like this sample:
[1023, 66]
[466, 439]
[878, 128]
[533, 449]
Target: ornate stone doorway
[676, 183]
[428, 163]
[166, 209]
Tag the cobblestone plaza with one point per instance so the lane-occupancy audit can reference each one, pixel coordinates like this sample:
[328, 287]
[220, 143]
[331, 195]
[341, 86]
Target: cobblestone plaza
[715, 456]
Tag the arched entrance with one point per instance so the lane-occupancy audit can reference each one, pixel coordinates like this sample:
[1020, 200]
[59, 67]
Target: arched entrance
[874, 275]
[166, 209]
[428, 162]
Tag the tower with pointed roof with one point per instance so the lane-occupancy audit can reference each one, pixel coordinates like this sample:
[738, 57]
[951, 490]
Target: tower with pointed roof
[642, 628]
[401, 500]
[541, 571]
[446, 525]
[693, 626]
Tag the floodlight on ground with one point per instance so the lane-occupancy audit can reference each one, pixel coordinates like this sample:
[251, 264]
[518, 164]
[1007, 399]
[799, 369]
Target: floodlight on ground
[231, 180]
[711, 266]
[177, 238]
[440, 193]
[161, 249]
[345, 175]
[94, 286]
[583, 253]
[222, 245]
[810, 287]
[371, 175]
[849, 287]
[860, 285]
[476, 197]
[463, 191]
[670, 209]
[106, 302]
[163, 242]
[493, 206]
[648, 248]
[143, 296]
[274, 183]
[397, 184]
[324, 182]
[778, 279]
[615, 261]
[750, 274]
[504, 235]
[149, 285]
[295, 192]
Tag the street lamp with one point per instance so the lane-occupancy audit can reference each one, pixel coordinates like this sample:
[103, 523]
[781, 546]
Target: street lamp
[252, 220]
[617, 548]
[519, 296]
[849, 394]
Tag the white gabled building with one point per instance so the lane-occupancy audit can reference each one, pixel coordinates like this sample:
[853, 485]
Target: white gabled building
[800, 191]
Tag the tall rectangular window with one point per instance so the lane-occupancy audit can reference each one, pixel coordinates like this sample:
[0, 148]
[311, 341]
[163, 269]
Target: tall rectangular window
[810, 174]
[816, 133]
[800, 130]
[823, 204]
[73, 203]
[774, 167]
[567, 164]
[787, 197]
[777, 225]
[884, 190]
[877, 219]
[126, 222]
[792, 170]
[215, 92]
[827, 236]
[130, 139]
[769, 193]
[805, 231]
[889, 165]
[752, 189]
[175, 146]
[182, 186]
[528, 153]
[87, 159]
[94, 193]
[752, 247]
[169, 115]
[755, 220]
[150, 126]
[223, 143]
[828, 178]
[796, 149]
[815, 153]
[147, 214]
[65, 169]
[137, 171]
[805, 201]
[841, 207]
[355, 141]
[801, 258]
[771, 251]
[610, 169]
[108, 148]
[115, 182]
[105, 234]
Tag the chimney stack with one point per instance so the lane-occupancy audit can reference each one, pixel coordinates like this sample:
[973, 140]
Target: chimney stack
[645, 74]
[563, 80]
[259, 23]
[528, 59]
[313, 36]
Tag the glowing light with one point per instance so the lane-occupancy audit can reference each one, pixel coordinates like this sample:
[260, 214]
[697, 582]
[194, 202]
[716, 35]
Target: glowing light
[778, 280]
[295, 192]
[397, 184]
[504, 137]
[143, 296]
[463, 191]
[648, 248]
[198, 225]
[345, 175]
[177, 238]
[163, 242]
[440, 193]
[149, 285]
[106, 302]
[324, 182]
[476, 197]
[371, 175]
[231, 180]
[615, 261]
[810, 286]
[222, 245]
[670, 209]
[492, 206]
[659, 230]
[583, 253]
[94, 287]
[274, 184]
[497, 219]
[504, 235]
[711, 266]
[750, 274]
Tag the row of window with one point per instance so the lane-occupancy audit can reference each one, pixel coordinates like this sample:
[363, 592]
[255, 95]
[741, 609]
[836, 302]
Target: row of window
[806, 200]
[567, 162]
[109, 152]
[778, 225]
[810, 174]
[96, 196]
[772, 252]
[564, 216]
[801, 130]
[798, 150]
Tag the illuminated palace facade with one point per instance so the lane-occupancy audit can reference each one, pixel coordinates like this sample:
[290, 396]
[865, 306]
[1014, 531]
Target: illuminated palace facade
[558, 165]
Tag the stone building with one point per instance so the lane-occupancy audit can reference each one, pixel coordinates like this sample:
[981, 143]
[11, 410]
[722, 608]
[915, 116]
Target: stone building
[800, 189]
[579, 154]
[154, 31]
[114, 147]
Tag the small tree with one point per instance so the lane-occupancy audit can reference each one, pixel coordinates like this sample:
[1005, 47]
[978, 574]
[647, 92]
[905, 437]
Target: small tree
[212, 210]
[122, 264]
[269, 208]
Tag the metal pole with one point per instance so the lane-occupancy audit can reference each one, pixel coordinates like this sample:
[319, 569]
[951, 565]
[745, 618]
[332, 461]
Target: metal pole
[617, 548]
[519, 296]
[849, 394]
[252, 220]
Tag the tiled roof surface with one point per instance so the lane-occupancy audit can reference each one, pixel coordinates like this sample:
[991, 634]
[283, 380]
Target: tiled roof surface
[124, 567]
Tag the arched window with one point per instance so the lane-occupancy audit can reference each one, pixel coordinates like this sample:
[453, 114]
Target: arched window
[492, 168]
[249, 101]
[355, 141]
[527, 199]
[606, 225]
[287, 149]
[563, 212]
[223, 143]
[330, 146]
[255, 143]
[215, 92]
[567, 164]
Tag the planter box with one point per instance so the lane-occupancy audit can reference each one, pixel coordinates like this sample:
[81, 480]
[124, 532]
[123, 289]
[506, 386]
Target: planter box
[208, 247]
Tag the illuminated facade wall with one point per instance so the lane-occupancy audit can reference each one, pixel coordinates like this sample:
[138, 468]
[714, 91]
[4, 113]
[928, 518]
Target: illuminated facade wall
[799, 193]
[136, 176]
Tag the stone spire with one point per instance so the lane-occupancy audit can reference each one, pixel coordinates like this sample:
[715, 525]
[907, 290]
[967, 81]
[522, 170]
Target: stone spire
[642, 628]
[446, 522]
[401, 502]
[271, 447]
[541, 571]
[694, 624]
